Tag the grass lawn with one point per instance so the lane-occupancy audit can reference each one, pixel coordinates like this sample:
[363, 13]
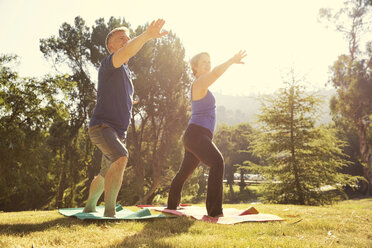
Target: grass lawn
[346, 224]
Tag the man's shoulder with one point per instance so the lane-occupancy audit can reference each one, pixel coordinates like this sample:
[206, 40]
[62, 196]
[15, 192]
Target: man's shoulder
[106, 62]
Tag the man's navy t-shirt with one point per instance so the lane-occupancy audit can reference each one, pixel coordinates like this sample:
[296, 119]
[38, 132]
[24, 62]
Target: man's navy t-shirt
[114, 97]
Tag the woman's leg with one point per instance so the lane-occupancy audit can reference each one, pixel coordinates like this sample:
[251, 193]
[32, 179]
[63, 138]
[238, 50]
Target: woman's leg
[206, 151]
[215, 182]
[189, 163]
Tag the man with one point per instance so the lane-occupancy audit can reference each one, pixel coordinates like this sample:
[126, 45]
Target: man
[111, 117]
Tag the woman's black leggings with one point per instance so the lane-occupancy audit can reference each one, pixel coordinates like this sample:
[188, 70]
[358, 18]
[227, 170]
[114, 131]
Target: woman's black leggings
[198, 145]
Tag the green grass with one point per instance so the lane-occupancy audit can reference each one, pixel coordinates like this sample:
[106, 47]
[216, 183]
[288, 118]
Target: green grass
[346, 224]
[251, 193]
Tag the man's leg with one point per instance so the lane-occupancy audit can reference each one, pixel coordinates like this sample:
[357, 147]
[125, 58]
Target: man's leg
[112, 185]
[95, 191]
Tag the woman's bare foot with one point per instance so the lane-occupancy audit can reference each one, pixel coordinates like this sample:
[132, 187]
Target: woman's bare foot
[218, 216]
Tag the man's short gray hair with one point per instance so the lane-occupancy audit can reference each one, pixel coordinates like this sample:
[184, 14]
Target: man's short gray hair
[108, 37]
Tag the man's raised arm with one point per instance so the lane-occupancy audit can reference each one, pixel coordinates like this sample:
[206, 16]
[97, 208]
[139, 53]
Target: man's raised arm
[130, 49]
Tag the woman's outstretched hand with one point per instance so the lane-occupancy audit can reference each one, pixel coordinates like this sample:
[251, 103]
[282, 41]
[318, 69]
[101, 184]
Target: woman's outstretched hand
[237, 59]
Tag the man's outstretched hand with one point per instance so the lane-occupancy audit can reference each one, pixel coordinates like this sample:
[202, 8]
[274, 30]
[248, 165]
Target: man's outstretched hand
[154, 30]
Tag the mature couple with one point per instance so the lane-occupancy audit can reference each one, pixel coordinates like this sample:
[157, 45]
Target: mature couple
[111, 117]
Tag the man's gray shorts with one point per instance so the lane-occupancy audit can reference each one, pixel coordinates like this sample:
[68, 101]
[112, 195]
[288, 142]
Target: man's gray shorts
[110, 144]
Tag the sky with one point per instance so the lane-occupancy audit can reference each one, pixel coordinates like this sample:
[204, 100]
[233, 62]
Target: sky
[277, 35]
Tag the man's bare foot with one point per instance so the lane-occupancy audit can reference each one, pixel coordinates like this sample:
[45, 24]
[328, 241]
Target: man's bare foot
[89, 209]
[110, 213]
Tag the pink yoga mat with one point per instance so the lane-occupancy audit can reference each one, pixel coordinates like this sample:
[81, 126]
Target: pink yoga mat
[231, 215]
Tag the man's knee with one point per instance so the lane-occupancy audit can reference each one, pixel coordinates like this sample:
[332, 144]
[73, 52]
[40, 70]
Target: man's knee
[119, 164]
[99, 177]
[122, 161]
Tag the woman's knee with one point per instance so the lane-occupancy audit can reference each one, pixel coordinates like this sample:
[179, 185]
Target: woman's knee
[218, 163]
[220, 160]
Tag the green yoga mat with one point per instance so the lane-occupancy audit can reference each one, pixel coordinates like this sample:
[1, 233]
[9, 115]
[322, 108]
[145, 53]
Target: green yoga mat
[121, 214]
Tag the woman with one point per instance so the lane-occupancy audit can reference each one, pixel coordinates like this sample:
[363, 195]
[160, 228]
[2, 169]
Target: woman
[198, 136]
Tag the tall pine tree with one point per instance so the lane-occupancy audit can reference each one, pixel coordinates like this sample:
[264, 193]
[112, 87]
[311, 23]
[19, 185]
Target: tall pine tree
[302, 159]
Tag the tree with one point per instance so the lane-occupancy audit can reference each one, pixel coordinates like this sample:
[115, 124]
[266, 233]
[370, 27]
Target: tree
[301, 157]
[352, 77]
[28, 108]
[72, 50]
[242, 137]
[223, 140]
[234, 143]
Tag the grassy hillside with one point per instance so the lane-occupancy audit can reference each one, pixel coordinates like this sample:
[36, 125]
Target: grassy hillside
[346, 224]
[233, 110]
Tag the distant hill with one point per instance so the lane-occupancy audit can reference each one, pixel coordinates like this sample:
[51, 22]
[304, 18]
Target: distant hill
[233, 110]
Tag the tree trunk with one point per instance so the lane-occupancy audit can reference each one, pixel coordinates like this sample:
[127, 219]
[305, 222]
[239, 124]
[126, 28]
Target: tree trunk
[242, 182]
[155, 176]
[151, 191]
[61, 184]
[230, 183]
[140, 180]
[293, 157]
[157, 158]
[140, 168]
[231, 190]
[365, 152]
